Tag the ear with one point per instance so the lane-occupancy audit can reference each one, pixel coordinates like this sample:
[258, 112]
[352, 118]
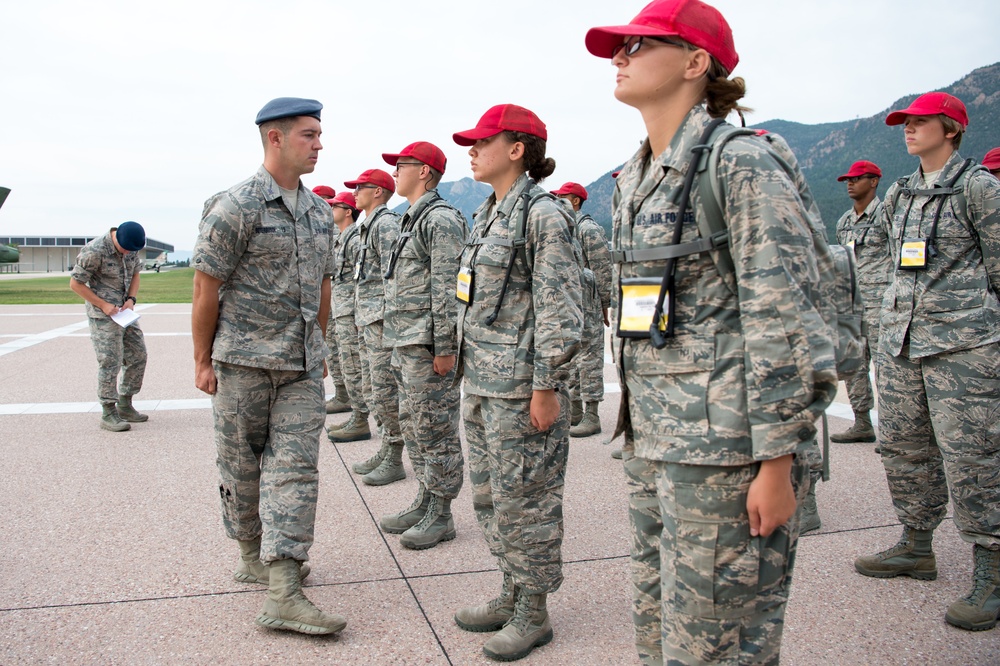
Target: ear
[516, 151]
[274, 137]
[698, 62]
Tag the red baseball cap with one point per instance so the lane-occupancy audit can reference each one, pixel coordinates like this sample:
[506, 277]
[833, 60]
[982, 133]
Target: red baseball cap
[422, 151]
[992, 159]
[931, 104]
[503, 117]
[691, 20]
[614, 174]
[861, 168]
[324, 191]
[375, 177]
[345, 198]
[571, 188]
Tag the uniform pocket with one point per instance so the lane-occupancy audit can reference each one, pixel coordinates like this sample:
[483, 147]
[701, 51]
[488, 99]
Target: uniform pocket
[717, 563]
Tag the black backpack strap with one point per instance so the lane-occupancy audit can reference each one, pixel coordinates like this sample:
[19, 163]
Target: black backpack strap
[656, 338]
[516, 245]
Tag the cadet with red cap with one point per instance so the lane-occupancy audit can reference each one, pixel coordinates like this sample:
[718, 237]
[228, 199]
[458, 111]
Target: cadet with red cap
[721, 387]
[587, 381]
[345, 250]
[939, 353]
[859, 229]
[106, 276]
[338, 403]
[421, 316]
[519, 326]
[992, 161]
[377, 234]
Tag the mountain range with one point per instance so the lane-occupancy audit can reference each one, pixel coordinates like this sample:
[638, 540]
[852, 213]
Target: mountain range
[824, 151]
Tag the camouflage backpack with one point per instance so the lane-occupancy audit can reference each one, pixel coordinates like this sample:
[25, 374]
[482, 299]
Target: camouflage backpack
[838, 297]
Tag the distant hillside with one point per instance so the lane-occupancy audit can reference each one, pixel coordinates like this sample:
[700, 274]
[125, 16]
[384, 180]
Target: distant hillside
[826, 151]
[465, 195]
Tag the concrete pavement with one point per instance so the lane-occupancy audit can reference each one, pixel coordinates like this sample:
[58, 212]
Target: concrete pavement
[114, 551]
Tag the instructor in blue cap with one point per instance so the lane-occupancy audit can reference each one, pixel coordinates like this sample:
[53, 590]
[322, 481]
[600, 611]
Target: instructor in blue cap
[106, 275]
[261, 304]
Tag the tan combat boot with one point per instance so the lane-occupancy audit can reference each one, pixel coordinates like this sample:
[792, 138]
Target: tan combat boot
[590, 424]
[355, 429]
[528, 628]
[494, 614]
[397, 523]
[126, 412]
[339, 403]
[435, 526]
[251, 570]
[861, 431]
[981, 607]
[575, 412]
[389, 470]
[286, 607]
[110, 419]
[912, 557]
[367, 466]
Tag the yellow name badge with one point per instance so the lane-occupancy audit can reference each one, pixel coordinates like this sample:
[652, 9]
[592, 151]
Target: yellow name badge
[463, 286]
[850, 245]
[913, 254]
[637, 305]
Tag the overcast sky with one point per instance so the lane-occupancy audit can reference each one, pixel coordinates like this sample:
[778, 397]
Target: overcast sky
[119, 110]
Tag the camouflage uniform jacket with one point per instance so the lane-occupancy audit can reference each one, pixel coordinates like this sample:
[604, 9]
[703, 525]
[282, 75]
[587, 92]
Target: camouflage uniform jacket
[871, 247]
[537, 330]
[345, 252]
[272, 266]
[596, 255]
[107, 273]
[420, 304]
[952, 304]
[377, 233]
[751, 365]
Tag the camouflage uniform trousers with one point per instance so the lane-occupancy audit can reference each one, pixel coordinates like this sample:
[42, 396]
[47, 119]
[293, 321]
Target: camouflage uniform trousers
[872, 323]
[333, 360]
[348, 345]
[267, 429]
[704, 590]
[517, 475]
[939, 422]
[119, 351]
[587, 379]
[381, 394]
[432, 403]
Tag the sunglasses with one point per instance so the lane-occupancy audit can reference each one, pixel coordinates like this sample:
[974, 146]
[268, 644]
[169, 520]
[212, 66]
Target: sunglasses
[400, 164]
[855, 179]
[365, 187]
[634, 43]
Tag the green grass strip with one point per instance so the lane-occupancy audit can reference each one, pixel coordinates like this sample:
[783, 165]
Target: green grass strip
[168, 286]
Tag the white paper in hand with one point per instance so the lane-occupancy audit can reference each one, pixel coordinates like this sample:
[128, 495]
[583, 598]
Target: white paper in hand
[125, 318]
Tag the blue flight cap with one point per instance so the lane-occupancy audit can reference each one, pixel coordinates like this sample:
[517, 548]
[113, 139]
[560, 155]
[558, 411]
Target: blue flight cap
[287, 107]
[131, 236]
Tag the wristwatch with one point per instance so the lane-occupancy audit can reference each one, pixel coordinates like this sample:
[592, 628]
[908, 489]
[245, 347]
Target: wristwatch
[131, 298]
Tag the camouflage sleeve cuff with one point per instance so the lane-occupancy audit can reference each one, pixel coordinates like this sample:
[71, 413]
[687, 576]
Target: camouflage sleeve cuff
[773, 440]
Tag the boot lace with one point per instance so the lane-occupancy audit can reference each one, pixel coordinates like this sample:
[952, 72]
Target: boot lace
[983, 583]
[432, 514]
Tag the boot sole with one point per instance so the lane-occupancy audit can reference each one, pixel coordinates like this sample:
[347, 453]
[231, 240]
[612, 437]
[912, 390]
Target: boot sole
[115, 428]
[338, 410]
[448, 536]
[849, 440]
[544, 639]
[142, 420]
[300, 627]
[349, 438]
[249, 578]
[584, 434]
[383, 482]
[480, 628]
[919, 575]
[970, 626]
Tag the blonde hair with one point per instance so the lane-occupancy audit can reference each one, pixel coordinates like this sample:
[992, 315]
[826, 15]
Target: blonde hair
[952, 125]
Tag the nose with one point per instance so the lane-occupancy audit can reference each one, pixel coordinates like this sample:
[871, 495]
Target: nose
[472, 151]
